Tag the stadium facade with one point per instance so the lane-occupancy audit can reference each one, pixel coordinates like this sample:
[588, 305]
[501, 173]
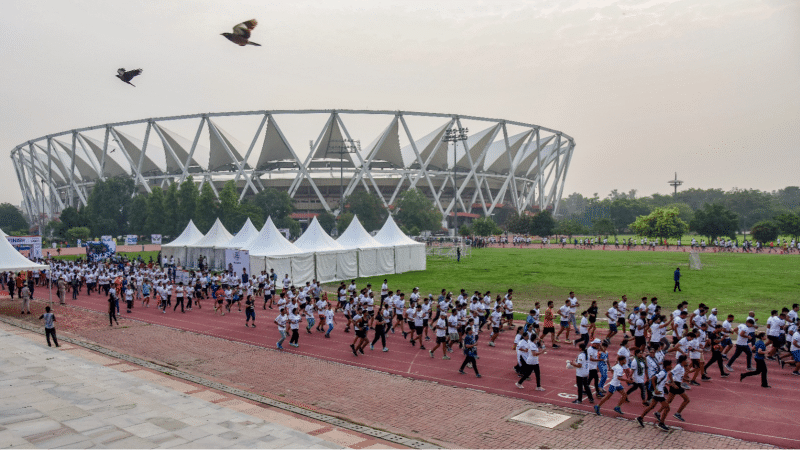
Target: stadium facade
[318, 156]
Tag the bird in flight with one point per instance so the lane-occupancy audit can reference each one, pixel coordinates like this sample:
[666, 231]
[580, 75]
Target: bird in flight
[241, 33]
[127, 76]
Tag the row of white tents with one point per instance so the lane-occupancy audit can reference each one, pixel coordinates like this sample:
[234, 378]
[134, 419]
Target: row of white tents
[314, 255]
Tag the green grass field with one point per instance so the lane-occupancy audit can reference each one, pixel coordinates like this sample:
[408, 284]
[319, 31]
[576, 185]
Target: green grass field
[733, 282]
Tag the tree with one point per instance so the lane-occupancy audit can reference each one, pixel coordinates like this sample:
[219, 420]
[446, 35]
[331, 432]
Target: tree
[751, 205]
[11, 219]
[229, 204]
[344, 221]
[368, 207]
[108, 204]
[765, 231]
[789, 223]
[661, 223]
[206, 208]
[715, 220]
[604, 227]
[154, 224]
[485, 226]
[287, 222]
[72, 218]
[570, 227]
[624, 211]
[519, 223]
[789, 197]
[138, 215]
[55, 230]
[187, 199]
[327, 221]
[82, 233]
[685, 212]
[273, 203]
[415, 209]
[243, 212]
[464, 230]
[542, 224]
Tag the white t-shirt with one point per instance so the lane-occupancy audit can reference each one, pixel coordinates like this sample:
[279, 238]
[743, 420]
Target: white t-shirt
[739, 339]
[532, 359]
[441, 326]
[616, 372]
[592, 353]
[573, 305]
[613, 313]
[583, 370]
[639, 327]
[795, 341]
[584, 328]
[564, 311]
[775, 326]
[657, 332]
[281, 319]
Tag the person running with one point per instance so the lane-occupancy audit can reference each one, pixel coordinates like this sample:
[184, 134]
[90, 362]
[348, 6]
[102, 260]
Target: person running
[129, 291]
[112, 307]
[470, 352]
[759, 351]
[715, 342]
[146, 294]
[743, 335]
[249, 311]
[581, 365]
[592, 310]
[330, 321]
[440, 328]
[531, 362]
[280, 321]
[676, 375]
[659, 382]
[638, 366]
[379, 324]
[294, 326]
[547, 325]
[612, 314]
[49, 326]
[360, 328]
[495, 318]
[619, 373]
[418, 317]
[564, 322]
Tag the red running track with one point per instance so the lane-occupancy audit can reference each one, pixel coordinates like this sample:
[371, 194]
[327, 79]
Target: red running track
[721, 406]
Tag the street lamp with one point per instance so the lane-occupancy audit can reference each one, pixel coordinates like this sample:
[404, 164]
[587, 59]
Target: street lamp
[340, 147]
[454, 135]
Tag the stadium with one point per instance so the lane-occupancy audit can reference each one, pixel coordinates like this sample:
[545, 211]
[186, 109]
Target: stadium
[469, 166]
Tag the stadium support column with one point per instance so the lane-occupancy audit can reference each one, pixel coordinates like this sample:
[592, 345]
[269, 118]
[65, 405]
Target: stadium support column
[567, 160]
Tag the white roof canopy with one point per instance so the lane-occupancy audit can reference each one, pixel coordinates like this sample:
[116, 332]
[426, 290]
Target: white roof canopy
[248, 232]
[216, 236]
[11, 260]
[189, 236]
[355, 236]
[315, 239]
[391, 235]
[271, 242]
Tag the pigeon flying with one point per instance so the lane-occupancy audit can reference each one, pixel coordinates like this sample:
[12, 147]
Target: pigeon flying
[127, 76]
[241, 33]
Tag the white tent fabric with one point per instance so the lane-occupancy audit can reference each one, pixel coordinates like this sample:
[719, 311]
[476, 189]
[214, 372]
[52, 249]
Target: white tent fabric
[216, 236]
[327, 252]
[373, 258]
[12, 261]
[408, 253]
[177, 248]
[245, 234]
[270, 250]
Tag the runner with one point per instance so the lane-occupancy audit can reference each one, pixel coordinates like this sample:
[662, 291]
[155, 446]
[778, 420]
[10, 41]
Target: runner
[249, 311]
[470, 352]
[619, 373]
[281, 322]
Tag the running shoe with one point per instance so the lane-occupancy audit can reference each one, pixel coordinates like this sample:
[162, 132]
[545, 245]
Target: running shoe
[523, 387]
[575, 402]
[539, 388]
[477, 375]
[796, 373]
[662, 426]
[638, 419]
[371, 347]
[725, 375]
[247, 325]
[431, 353]
[783, 363]
[556, 346]
[705, 378]
[461, 372]
[658, 416]
[385, 349]
[728, 368]
[617, 410]
[491, 344]
[427, 338]
[279, 347]
[694, 383]
[413, 344]
[678, 416]
[360, 349]
[597, 410]
[445, 357]
[421, 347]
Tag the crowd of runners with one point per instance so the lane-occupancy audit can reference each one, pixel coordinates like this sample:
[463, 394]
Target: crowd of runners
[782, 246]
[661, 354]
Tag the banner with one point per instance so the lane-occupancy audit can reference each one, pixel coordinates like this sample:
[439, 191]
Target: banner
[79, 242]
[31, 243]
[110, 243]
[155, 238]
[182, 276]
[239, 259]
[131, 239]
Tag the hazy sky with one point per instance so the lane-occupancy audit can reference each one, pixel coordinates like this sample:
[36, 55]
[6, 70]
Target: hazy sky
[710, 89]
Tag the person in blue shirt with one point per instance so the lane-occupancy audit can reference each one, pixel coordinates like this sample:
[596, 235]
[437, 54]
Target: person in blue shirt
[677, 277]
[759, 350]
[469, 352]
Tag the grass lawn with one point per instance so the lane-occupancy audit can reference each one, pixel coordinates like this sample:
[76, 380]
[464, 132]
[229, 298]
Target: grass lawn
[733, 282]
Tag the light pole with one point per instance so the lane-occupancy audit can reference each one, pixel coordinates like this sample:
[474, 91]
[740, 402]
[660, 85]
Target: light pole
[340, 147]
[454, 135]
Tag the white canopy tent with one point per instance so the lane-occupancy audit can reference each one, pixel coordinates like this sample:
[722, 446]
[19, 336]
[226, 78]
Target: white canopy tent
[245, 235]
[12, 261]
[408, 253]
[327, 252]
[206, 246]
[271, 250]
[178, 247]
[373, 258]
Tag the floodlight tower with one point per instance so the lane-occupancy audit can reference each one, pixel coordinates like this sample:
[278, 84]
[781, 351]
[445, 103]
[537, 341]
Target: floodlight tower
[675, 183]
[454, 135]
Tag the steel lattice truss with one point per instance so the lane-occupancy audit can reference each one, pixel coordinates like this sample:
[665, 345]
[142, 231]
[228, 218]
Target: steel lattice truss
[501, 164]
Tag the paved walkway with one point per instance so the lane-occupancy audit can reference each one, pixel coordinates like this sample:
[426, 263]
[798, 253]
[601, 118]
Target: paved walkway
[73, 398]
[444, 415]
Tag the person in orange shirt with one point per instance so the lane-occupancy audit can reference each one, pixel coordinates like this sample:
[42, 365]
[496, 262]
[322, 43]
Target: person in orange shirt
[20, 283]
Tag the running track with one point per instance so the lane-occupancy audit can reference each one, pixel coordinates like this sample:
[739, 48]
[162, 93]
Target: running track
[721, 406]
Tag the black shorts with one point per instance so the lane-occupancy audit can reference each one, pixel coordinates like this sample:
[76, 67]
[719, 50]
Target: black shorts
[425, 323]
[268, 297]
[621, 321]
[418, 329]
[509, 316]
[410, 324]
[695, 363]
[676, 390]
[441, 339]
[495, 330]
[775, 340]
[658, 399]
[639, 341]
[361, 333]
[546, 330]
[592, 319]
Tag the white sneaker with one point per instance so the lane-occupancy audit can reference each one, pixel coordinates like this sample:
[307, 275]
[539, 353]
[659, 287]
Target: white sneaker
[519, 385]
